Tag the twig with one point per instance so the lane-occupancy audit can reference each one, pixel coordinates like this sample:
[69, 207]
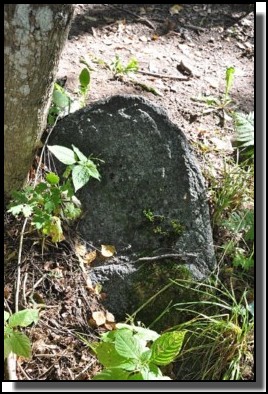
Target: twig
[198, 28]
[23, 372]
[182, 256]
[24, 288]
[163, 76]
[19, 265]
[138, 17]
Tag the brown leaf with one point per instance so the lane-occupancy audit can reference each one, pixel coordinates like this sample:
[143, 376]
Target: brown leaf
[110, 326]
[89, 257]
[110, 317]
[107, 250]
[99, 318]
[80, 249]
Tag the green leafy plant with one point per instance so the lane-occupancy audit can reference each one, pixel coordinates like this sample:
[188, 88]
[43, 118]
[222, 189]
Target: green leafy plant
[162, 225]
[84, 80]
[135, 353]
[244, 127]
[14, 340]
[119, 69]
[61, 103]
[220, 333]
[49, 202]
[220, 104]
[241, 225]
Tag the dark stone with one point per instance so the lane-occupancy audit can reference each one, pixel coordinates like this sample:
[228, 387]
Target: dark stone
[148, 165]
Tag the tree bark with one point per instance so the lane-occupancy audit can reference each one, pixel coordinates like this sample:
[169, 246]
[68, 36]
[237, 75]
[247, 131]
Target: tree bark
[34, 38]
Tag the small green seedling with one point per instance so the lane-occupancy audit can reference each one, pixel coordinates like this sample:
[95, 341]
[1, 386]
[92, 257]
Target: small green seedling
[162, 225]
[220, 104]
[14, 340]
[119, 69]
[61, 104]
[135, 353]
[48, 203]
[84, 80]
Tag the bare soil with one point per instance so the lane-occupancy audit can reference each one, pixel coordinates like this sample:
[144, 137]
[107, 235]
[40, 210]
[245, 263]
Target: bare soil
[182, 56]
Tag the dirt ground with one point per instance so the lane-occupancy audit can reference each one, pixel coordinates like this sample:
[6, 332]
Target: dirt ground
[183, 53]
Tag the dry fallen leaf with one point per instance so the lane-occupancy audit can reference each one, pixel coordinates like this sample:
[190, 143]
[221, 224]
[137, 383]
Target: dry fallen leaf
[109, 326]
[107, 250]
[89, 257]
[80, 249]
[175, 9]
[110, 317]
[99, 318]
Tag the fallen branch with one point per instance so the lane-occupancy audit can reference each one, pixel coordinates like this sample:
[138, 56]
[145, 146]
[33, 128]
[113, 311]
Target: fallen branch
[197, 28]
[172, 256]
[163, 76]
[145, 21]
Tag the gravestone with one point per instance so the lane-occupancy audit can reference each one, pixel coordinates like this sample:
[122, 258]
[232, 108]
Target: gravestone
[151, 199]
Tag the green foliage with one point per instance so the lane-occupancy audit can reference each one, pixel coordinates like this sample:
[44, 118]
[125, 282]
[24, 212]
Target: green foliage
[127, 353]
[61, 102]
[241, 222]
[244, 127]
[220, 104]
[14, 340]
[163, 225]
[84, 80]
[219, 332]
[119, 69]
[229, 79]
[49, 202]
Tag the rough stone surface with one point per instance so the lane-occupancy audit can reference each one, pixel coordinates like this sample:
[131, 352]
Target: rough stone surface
[148, 165]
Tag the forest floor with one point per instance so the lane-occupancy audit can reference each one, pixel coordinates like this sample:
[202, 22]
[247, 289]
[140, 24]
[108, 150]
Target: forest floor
[183, 53]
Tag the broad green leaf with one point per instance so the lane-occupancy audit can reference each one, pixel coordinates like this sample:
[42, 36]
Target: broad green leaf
[23, 318]
[64, 155]
[167, 347]
[6, 316]
[84, 78]
[49, 206]
[27, 210]
[16, 209]
[80, 176]
[244, 124]
[54, 230]
[60, 99]
[92, 169]
[112, 374]
[7, 346]
[140, 332]
[229, 78]
[71, 211]
[41, 219]
[41, 187]
[52, 178]
[128, 346]
[108, 356]
[131, 365]
[79, 154]
[146, 355]
[136, 376]
[151, 372]
[21, 344]
[108, 336]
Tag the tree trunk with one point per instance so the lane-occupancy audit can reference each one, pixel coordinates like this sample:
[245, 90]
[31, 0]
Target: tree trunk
[34, 37]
